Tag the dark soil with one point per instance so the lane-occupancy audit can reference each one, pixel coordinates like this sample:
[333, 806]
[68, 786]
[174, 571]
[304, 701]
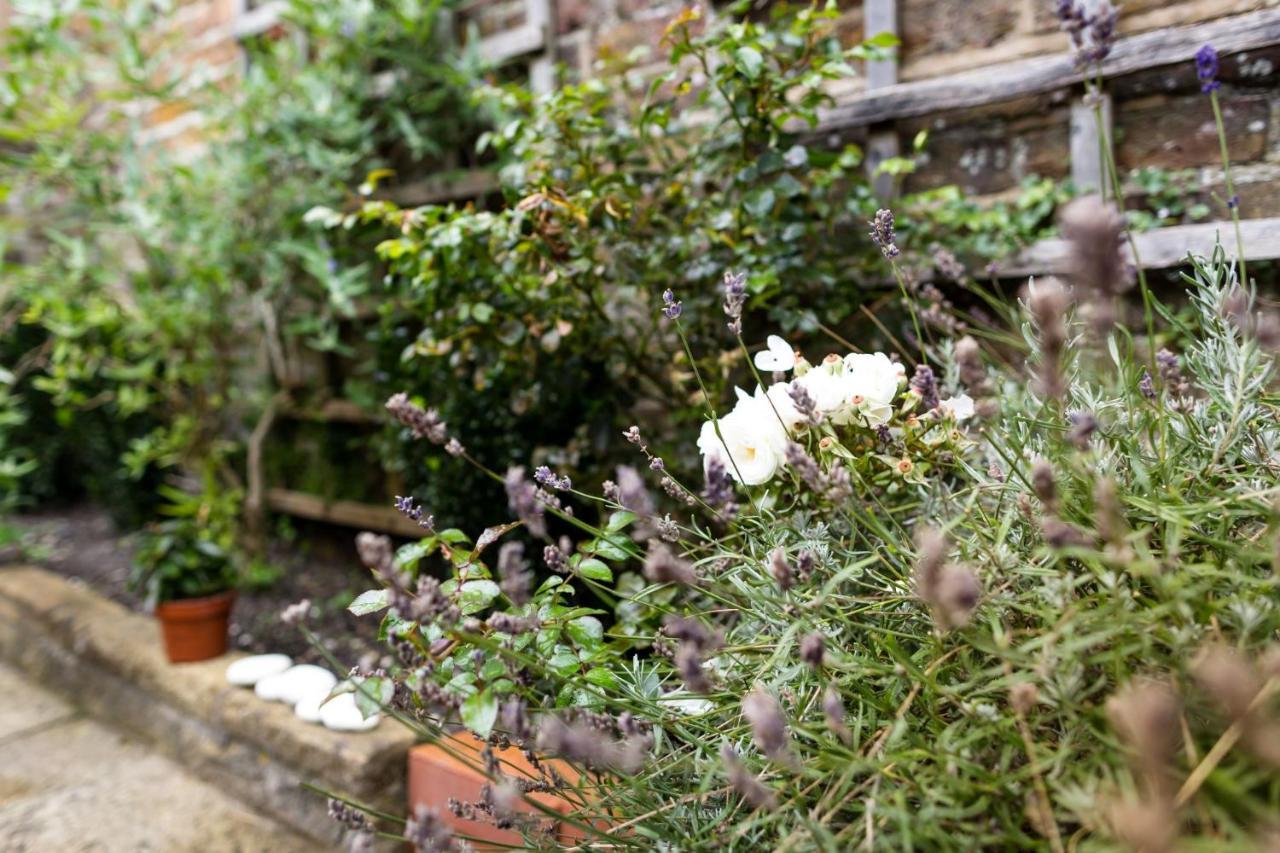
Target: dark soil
[318, 564]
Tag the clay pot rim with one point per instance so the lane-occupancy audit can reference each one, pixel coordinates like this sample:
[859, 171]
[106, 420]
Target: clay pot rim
[195, 609]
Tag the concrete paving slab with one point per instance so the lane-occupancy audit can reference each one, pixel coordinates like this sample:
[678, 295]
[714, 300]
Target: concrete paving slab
[26, 706]
[76, 785]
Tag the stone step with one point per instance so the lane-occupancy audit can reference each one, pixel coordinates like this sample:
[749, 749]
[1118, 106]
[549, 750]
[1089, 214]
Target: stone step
[108, 661]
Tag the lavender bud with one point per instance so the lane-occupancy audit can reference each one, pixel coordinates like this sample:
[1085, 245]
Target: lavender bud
[1207, 69]
[296, 613]
[522, 498]
[735, 294]
[375, 552]
[1146, 387]
[555, 559]
[546, 477]
[427, 832]
[688, 662]
[406, 507]
[1083, 426]
[423, 423]
[671, 307]
[1044, 483]
[513, 569]
[661, 565]
[924, 384]
[882, 233]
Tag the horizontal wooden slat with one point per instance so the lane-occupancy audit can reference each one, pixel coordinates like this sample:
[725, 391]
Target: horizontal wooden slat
[1161, 248]
[1009, 80]
[346, 513]
[509, 44]
[445, 186]
[334, 411]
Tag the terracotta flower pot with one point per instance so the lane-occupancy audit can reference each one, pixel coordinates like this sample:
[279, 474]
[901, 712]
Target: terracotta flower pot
[195, 628]
[435, 777]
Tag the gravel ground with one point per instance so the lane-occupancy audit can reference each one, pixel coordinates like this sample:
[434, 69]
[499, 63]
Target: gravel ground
[320, 565]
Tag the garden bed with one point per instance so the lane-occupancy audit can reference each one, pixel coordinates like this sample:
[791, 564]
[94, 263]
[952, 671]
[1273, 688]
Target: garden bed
[82, 543]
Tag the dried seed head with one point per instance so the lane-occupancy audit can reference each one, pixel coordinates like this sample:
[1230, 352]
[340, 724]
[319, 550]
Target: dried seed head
[584, 743]
[688, 663]
[1108, 518]
[1227, 678]
[1083, 426]
[1145, 826]
[1044, 483]
[931, 555]
[768, 725]
[1048, 304]
[1094, 231]
[780, 569]
[748, 786]
[1023, 696]
[833, 712]
[973, 373]
[813, 648]
[1145, 715]
[513, 569]
[1062, 534]
[958, 596]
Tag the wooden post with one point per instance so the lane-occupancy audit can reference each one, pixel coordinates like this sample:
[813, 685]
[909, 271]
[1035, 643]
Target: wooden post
[1088, 161]
[881, 16]
[542, 67]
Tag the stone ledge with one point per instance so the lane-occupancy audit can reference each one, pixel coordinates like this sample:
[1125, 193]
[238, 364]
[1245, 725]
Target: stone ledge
[109, 661]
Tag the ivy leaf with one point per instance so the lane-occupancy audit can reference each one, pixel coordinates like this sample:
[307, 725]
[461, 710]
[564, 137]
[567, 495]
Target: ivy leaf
[477, 595]
[595, 569]
[370, 601]
[479, 712]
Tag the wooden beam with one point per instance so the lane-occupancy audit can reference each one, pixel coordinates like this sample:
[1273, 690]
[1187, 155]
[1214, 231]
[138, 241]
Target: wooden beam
[1161, 248]
[1009, 80]
[345, 513]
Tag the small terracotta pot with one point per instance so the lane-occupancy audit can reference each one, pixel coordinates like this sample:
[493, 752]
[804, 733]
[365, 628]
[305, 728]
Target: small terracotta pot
[435, 777]
[195, 628]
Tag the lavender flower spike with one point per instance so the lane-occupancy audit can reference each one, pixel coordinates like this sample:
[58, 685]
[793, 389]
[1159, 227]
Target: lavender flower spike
[882, 233]
[1207, 69]
[671, 307]
[735, 295]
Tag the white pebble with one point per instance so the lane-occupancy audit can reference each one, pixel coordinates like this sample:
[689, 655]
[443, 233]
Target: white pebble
[305, 679]
[247, 672]
[308, 707]
[341, 714]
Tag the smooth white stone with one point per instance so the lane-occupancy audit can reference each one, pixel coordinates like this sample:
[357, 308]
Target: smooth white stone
[308, 707]
[303, 680]
[341, 714]
[272, 687]
[247, 672]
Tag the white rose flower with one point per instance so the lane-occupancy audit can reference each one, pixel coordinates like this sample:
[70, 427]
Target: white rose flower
[958, 407]
[828, 385]
[873, 383]
[751, 443]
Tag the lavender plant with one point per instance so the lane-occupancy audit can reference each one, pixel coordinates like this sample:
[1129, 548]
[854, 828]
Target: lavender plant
[1025, 598]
